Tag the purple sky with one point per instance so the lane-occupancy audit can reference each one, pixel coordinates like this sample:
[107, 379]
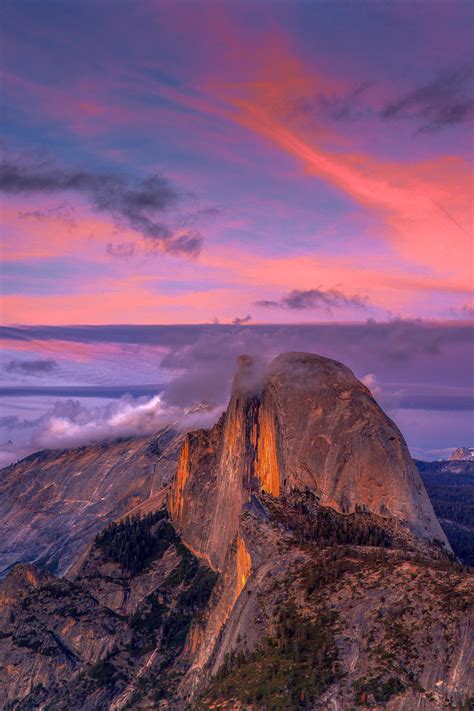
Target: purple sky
[243, 163]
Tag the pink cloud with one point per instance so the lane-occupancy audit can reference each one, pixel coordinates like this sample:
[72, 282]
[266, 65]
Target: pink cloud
[425, 207]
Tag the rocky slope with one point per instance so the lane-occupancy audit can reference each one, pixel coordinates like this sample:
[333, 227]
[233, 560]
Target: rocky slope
[85, 643]
[300, 565]
[53, 502]
[341, 626]
[448, 466]
[314, 610]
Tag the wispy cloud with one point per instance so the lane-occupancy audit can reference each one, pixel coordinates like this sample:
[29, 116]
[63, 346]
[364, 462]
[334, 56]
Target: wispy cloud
[315, 299]
[62, 213]
[120, 249]
[463, 311]
[239, 321]
[141, 204]
[443, 102]
[335, 107]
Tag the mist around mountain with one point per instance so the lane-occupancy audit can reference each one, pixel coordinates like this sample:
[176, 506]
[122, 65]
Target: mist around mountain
[287, 558]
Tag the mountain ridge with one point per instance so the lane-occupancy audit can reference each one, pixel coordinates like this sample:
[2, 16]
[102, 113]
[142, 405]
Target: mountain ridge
[52, 503]
[263, 574]
[302, 422]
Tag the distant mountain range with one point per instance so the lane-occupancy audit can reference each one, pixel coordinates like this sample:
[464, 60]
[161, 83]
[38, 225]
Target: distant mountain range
[463, 454]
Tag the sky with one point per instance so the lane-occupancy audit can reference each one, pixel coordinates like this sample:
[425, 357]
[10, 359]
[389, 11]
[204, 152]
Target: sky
[183, 180]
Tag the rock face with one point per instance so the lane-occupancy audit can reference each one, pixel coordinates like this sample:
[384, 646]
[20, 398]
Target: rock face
[53, 502]
[299, 566]
[463, 454]
[303, 423]
[83, 644]
[345, 628]
[344, 611]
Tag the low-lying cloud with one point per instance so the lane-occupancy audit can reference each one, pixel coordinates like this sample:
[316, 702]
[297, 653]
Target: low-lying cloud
[69, 423]
[240, 320]
[140, 204]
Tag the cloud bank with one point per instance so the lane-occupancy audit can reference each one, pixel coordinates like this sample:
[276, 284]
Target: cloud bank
[68, 423]
[420, 372]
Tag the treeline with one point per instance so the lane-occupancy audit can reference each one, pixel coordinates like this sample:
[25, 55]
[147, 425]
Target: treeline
[311, 523]
[452, 496]
[165, 618]
[328, 571]
[134, 542]
[289, 670]
[462, 541]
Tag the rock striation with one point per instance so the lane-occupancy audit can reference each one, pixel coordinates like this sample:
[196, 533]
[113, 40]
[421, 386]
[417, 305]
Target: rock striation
[83, 642]
[303, 423]
[53, 502]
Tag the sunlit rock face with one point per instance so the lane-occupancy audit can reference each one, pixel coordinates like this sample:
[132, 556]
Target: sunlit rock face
[302, 423]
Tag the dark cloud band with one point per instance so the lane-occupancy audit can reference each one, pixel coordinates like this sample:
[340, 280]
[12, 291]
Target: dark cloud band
[81, 391]
[315, 299]
[31, 367]
[138, 204]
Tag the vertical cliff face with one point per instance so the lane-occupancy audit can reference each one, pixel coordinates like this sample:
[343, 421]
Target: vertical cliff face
[176, 502]
[305, 423]
[266, 465]
[243, 564]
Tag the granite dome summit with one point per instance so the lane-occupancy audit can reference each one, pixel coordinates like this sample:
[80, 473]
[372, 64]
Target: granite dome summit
[301, 423]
